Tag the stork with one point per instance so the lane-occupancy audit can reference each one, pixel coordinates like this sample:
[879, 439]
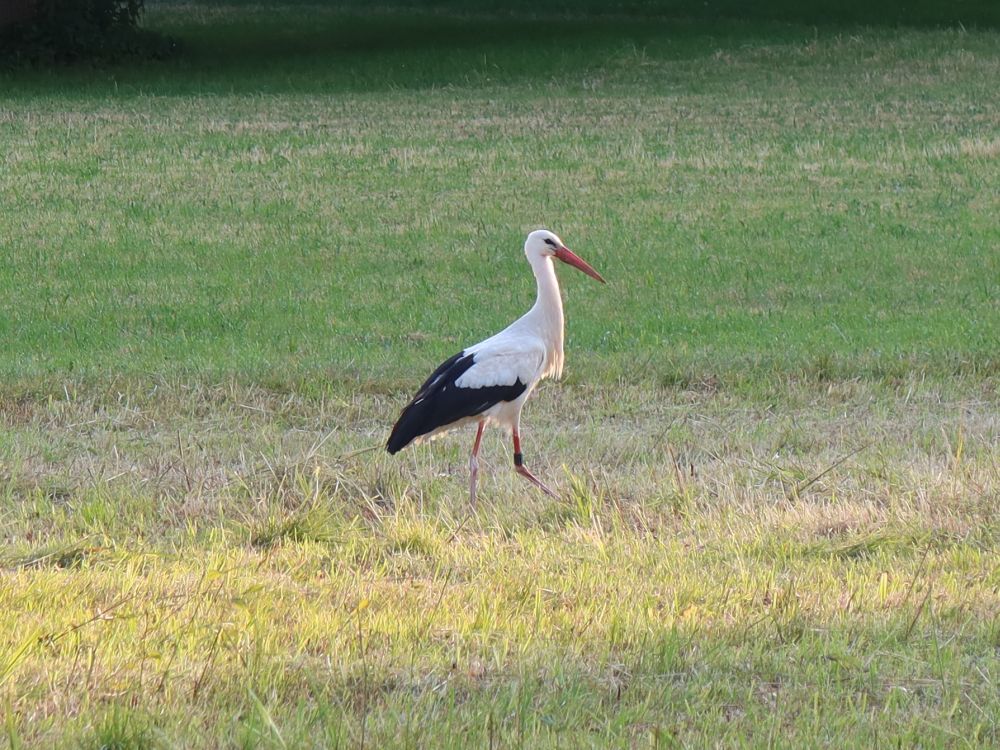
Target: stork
[490, 381]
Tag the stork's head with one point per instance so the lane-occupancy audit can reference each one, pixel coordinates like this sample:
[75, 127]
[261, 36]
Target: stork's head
[545, 244]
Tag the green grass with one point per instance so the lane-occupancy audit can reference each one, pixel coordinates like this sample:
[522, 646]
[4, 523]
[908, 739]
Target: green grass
[776, 444]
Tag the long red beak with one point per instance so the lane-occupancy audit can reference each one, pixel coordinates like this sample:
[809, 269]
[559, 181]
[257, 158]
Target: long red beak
[568, 256]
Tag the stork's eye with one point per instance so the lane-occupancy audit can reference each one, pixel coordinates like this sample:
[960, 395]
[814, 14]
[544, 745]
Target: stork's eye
[549, 242]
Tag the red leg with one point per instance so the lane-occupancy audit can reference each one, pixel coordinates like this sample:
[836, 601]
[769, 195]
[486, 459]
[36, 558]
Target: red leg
[521, 469]
[474, 464]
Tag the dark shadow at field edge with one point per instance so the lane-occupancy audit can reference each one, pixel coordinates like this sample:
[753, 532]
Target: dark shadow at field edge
[298, 48]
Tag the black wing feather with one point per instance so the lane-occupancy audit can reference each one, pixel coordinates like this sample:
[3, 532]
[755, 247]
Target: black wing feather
[440, 402]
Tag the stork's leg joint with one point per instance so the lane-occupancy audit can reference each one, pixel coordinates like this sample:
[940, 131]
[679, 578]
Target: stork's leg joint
[521, 469]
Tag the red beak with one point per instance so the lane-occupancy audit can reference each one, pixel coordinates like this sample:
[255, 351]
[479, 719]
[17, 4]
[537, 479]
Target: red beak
[568, 256]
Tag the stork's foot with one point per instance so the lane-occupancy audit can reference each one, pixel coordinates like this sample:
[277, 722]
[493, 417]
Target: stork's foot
[523, 471]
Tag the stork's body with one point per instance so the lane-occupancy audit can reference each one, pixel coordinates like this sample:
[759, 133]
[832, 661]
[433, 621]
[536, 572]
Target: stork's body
[490, 381]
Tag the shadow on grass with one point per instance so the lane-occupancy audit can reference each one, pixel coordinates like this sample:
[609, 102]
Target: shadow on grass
[293, 46]
[222, 51]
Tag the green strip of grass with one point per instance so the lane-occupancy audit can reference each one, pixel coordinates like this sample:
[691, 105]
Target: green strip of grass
[759, 198]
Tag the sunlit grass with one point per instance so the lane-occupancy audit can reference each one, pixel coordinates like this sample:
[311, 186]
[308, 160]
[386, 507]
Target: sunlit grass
[776, 446]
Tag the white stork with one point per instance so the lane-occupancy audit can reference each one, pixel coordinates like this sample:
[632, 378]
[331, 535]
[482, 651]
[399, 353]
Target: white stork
[490, 381]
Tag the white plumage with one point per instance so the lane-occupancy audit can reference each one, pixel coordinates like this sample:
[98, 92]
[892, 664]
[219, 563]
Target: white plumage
[504, 362]
[490, 381]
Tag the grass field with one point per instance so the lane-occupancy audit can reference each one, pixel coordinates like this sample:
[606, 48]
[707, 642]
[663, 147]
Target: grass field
[777, 444]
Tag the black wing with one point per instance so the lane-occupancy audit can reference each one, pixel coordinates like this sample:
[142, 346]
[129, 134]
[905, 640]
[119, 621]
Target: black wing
[440, 402]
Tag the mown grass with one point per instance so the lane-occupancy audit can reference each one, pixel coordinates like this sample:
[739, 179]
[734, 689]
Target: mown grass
[776, 445]
[760, 197]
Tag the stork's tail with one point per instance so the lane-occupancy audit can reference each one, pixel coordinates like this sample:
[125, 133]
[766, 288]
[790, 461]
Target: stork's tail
[407, 428]
[417, 417]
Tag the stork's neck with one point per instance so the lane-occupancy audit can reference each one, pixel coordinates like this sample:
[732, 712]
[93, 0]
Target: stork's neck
[547, 313]
[548, 286]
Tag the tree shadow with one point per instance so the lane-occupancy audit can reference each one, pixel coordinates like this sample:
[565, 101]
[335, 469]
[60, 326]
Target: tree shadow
[293, 46]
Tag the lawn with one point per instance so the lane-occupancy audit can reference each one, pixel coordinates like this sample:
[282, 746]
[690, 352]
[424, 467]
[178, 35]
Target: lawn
[777, 442]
